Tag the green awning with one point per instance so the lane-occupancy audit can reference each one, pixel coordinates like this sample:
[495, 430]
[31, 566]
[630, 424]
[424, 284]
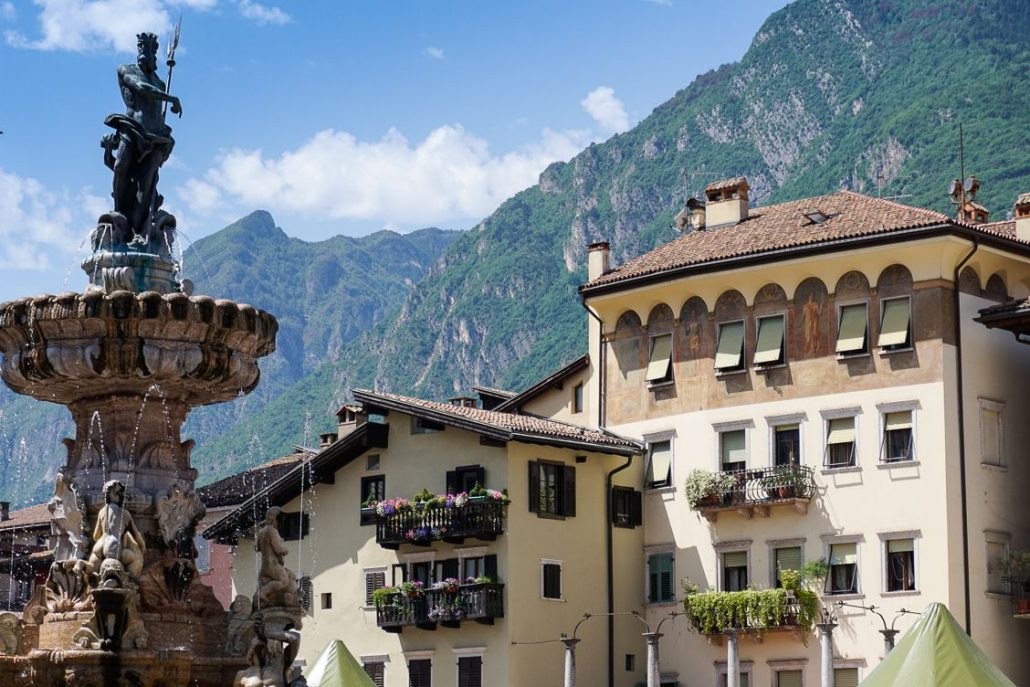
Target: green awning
[337, 667]
[936, 652]
[769, 348]
[853, 323]
[894, 325]
[661, 358]
[731, 346]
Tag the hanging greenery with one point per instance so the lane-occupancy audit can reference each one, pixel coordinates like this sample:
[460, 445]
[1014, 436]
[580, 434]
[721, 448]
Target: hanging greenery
[753, 610]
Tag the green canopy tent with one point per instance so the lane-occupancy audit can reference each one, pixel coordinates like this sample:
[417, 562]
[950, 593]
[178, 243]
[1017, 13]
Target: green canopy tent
[936, 652]
[336, 667]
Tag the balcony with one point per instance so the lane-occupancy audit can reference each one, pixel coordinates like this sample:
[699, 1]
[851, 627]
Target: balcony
[751, 492]
[478, 518]
[479, 602]
[1020, 597]
[752, 611]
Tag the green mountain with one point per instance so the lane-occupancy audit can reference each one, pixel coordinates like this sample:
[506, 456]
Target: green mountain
[859, 94]
[325, 296]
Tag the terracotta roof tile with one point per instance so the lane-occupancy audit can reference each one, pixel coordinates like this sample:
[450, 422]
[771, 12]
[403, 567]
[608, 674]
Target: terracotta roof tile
[725, 184]
[777, 227]
[33, 516]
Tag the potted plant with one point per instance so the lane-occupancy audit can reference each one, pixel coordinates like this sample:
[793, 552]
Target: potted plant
[782, 483]
[383, 596]
[705, 488]
[1015, 569]
[413, 590]
[449, 585]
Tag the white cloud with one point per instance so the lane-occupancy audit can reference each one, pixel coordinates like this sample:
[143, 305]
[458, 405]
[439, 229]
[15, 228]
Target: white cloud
[606, 109]
[435, 53]
[449, 176]
[7, 11]
[263, 14]
[84, 25]
[35, 224]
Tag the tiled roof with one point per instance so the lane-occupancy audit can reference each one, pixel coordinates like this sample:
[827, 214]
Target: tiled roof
[237, 488]
[1006, 228]
[725, 184]
[33, 516]
[493, 391]
[1023, 199]
[505, 426]
[783, 226]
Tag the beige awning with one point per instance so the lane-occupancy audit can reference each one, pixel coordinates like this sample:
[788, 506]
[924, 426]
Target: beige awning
[894, 326]
[661, 358]
[733, 447]
[788, 558]
[853, 323]
[731, 346]
[769, 348]
[901, 420]
[659, 463]
[843, 554]
[842, 431]
[734, 559]
[900, 545]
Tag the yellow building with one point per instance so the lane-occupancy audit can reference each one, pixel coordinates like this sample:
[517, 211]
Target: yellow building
[526, 564]
[820, 361]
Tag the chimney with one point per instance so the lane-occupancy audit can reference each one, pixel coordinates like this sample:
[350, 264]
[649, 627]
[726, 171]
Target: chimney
[351, 416]
[463, 402]
[727, 202]
[327, 439]
[5, 510]
[692, 216]
[598, 256]
[1023, 217]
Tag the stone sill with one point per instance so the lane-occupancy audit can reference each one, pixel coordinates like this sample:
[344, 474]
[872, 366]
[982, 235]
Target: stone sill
[841, 471]
[897, 464]
[905, 592]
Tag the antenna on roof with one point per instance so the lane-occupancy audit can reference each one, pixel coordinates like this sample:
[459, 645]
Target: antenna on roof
[964, 189]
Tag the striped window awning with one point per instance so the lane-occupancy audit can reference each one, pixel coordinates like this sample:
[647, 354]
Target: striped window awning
[730, 352]
[769, 348]
[853, 326]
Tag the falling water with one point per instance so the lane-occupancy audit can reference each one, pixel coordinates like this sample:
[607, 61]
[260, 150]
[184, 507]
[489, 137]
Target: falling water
[105, 230]
[196, 252]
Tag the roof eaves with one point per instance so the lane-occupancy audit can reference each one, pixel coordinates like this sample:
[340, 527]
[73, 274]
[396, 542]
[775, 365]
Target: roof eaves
[544, 384]
[452, 419]
[585, 444]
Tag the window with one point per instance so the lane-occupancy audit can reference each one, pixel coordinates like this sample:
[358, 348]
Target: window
[992, 448]
[550, 579]
[997, 549]
[845, 677]
[373, 489]
[729, 355]
[745, 679]
[660, 576]
[464, 478]
[658, 472]
[422, 571]
[327, 600]
[398, 574]
[789, 678]
[375, 670]
[734, 571]
[203, 547]
[631, 663]
[895, 321]
[374, 579]
[733, 450]
[472, 567]
[626, 507]
[787, 445]
[577, 398]
[843, 577]
[840, 442]
[659, 365]
[769, 348]
[552, 489]
[786, 558]
[420, 672]
[470, 671]
[897, 436]
[851, 330]
[293, 526]
[372, 461]
[421, 425]
[901, 565]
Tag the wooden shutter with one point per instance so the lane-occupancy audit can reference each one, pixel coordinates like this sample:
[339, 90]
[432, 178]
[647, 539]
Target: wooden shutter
[452, 482]
[894, 325]
[665, 577]
[569, 484]
[731, 346]
[661, 358]
[853, 325]
[490, 566]
[636, 510]
[534, 487]
[845, 677]
[769, 348]
[373, 581]
[470, 671]
[375, 671]
[449, 568]
[420, 672]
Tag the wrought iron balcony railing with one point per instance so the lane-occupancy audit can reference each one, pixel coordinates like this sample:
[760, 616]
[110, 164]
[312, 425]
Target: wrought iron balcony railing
[754, 491]
[477, 519]
[787, 615]
[479, 602]
[1020, 587]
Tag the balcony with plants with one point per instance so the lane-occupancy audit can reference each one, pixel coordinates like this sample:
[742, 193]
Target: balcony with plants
[476, 514]
[446, 603]
[750, 492]
[1015, 570]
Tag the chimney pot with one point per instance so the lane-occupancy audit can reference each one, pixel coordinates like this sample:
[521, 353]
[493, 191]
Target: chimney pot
[598, 257]
[1023, 217]
[5, 510]
[327, 439]
[727, 202]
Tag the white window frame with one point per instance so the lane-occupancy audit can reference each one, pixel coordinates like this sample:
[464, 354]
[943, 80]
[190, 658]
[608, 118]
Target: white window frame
[840, 414]
[731, 547]
[998, 407]
[666, 435]
[775, 421]
[561, 579]
[897, 407]
[783, 343]
[911, 327]
[885, 539]
[469, 652]
[651, 551]
[670, 377]
[868, 342]
[469, 552]
[1005, 540]
[828, 542]
[733, 426]
[742, 367]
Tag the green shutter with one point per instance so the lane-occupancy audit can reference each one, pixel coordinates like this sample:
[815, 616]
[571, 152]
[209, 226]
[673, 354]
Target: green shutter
[733, 447]
[853, 324]
[894, 325]
[731, 346]
[769, 348]
[788, 678]
[845, 677]
[841, 431]
[661, 358]
[788, 558]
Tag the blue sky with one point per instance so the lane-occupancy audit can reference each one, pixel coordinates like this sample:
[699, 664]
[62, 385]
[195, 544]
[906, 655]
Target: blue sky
[339, 117]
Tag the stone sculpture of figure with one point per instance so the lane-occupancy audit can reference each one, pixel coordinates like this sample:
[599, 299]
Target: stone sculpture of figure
[290, 639]
[116, 536]
[142, 142]
[271, 655]
[67, 523]
[277, 586]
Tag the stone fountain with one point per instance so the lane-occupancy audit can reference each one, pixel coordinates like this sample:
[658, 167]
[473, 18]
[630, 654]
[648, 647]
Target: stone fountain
[129, 357]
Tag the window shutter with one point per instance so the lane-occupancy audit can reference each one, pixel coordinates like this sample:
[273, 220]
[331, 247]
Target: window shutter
[902, 420]
[900, 546]
[843, 554]
[449, 568]
[734, 559]
[769, 348]
[470, 671]
[731, 346]
[845, 677]
[636, 509]
[842, 431]
[853, 324]
[733, 447]
[534, 487]
[665, 577]
[788, 558]
[894, 326]
[653, 572]
[789, 678]
[661, 358]
[490, 565]
[420, 672]
[452, 482]
[569, 503]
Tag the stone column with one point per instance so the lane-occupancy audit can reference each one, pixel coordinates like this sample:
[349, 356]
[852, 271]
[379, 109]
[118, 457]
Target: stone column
[826, 653]
[570, 660]
[733, 658]
[653, 677]
[888, 640]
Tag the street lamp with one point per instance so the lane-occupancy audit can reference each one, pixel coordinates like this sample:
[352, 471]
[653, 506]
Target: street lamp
[889, 633]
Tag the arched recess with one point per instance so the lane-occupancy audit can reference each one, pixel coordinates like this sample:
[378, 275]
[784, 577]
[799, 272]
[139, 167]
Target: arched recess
[660, 320]
[969, 281]
[770, 298]
[895, 280]
[730, 305]
[627, 342]
[852, 285]
[812, 322]
[995, 288]
[694, 331]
